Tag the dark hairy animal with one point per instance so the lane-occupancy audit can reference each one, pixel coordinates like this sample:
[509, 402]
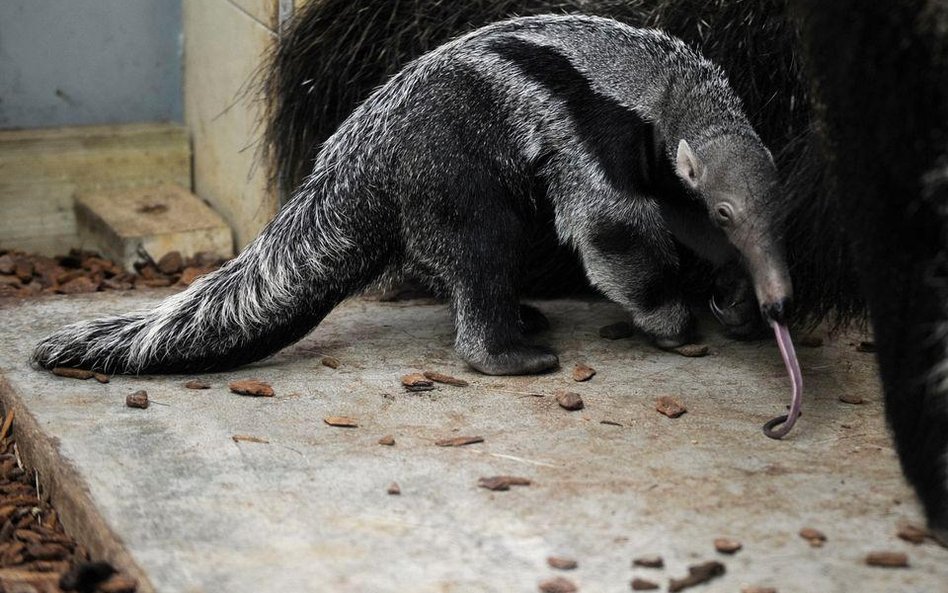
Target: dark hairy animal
[630, 138]
[880, 70]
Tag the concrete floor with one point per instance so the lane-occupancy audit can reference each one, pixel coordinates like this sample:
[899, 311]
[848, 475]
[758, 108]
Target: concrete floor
[168, 493]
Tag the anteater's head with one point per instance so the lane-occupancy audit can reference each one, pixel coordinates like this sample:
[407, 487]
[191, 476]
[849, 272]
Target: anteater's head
[736, 176]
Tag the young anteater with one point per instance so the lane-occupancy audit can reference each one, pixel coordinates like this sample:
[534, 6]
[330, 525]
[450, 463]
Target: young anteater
[627, 136]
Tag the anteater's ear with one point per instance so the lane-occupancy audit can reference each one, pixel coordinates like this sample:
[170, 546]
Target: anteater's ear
[687, 165]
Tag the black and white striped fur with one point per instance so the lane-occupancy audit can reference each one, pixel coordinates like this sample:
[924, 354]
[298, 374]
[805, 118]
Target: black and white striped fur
[443, 171]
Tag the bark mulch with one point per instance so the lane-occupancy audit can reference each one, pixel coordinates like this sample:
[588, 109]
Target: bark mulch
[28, 275]
[36, 554]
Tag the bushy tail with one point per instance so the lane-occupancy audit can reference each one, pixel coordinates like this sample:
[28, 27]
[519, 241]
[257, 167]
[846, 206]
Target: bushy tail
[271, 295]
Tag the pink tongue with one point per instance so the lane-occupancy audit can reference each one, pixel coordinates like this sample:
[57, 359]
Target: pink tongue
[793, 369]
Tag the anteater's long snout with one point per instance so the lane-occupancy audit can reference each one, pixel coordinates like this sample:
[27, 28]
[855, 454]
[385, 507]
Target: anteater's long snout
[773, 287]
[767, 266]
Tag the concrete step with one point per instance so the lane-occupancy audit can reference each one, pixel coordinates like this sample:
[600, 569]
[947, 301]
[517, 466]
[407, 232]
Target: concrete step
[120, 223]
[168, 490]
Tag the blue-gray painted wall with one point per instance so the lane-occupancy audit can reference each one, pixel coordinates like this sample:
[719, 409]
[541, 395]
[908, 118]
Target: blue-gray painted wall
[72, 62]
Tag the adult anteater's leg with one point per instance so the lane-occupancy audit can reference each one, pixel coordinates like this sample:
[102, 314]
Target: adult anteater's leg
[882, 80]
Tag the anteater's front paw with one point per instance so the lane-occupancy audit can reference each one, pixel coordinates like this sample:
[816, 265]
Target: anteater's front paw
[516, 360]
[741, 320]
[667, 326]
[940, 533]
[670, 342]
[735, 306]
[676, 330]
[938, 516]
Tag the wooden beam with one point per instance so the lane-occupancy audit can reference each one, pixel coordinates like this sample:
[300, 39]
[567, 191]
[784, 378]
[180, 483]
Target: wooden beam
[42, 169]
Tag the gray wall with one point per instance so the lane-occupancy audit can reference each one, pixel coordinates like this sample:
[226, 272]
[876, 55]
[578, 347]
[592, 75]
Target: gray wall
[71, 62]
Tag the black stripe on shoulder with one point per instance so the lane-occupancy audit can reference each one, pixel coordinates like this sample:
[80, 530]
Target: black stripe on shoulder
[621, 140]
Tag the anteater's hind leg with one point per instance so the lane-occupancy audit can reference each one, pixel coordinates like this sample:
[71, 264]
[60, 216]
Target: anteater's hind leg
[476, 258]
[487, 310]
[490, 336]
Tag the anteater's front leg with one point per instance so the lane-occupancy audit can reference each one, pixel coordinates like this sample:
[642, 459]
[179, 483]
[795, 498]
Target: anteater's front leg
[734, 304]
[635, 264]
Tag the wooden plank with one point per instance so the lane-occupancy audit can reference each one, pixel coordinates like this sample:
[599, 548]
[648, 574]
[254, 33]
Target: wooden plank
[18, 579]
[95, 155]
[82, 135]
[42, 169]
[222, 50]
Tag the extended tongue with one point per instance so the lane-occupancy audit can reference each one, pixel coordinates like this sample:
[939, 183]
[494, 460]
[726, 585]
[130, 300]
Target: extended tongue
[793, 369]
